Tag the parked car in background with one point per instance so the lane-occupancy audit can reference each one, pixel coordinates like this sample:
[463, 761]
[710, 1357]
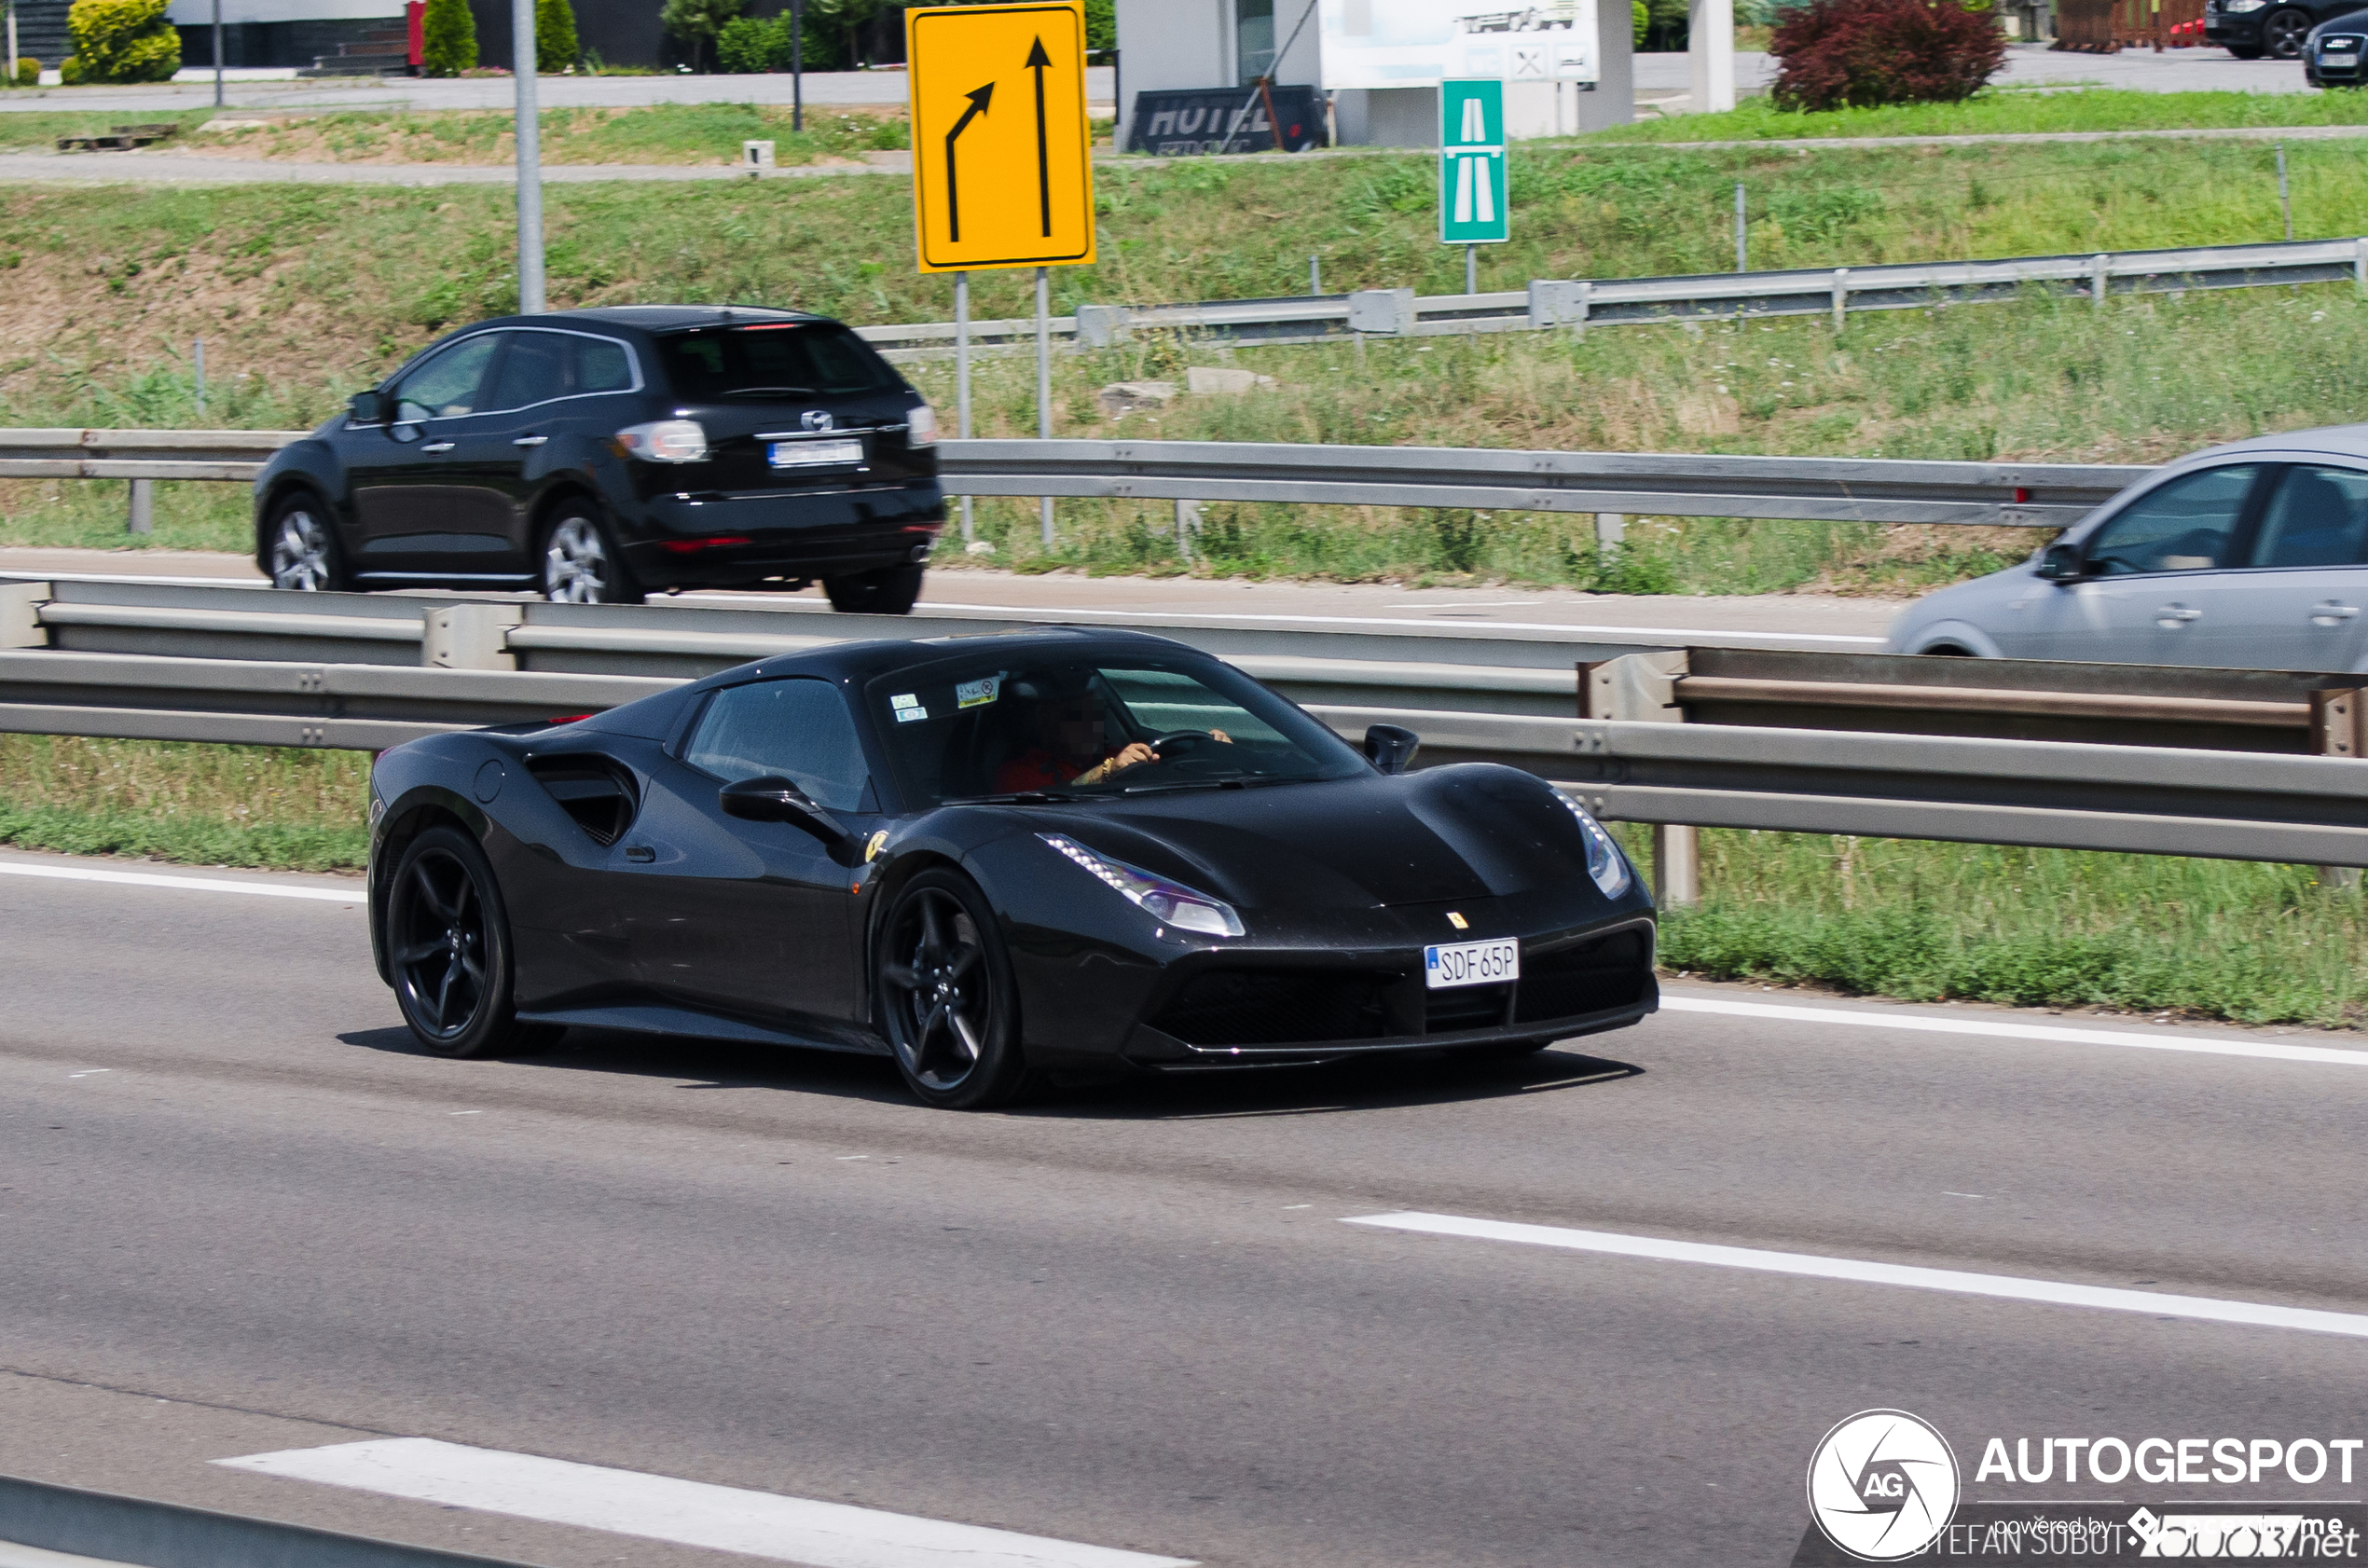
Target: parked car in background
[2331, 55]
[2250, 29]
[2249, 555]
[598, 455]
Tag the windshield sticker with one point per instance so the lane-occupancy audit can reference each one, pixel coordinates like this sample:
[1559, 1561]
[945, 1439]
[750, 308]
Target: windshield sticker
[974, 693]
[904, 699]
[911, 715]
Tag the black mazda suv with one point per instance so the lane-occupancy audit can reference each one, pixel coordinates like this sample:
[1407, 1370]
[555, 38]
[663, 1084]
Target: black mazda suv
[2250, 29]
[598, 455]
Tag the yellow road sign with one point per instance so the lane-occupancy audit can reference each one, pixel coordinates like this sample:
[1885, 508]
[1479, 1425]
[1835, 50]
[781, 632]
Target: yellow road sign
[1002, 170]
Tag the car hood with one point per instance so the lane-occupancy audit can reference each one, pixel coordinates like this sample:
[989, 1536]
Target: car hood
[1464, 832]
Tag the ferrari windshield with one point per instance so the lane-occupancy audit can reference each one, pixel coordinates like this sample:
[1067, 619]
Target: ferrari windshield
[988, 729]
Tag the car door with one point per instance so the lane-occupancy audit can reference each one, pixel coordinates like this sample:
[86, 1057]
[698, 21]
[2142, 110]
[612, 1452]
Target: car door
[420, 508]
[2298, 603]
[751, 918]
[2153, 588]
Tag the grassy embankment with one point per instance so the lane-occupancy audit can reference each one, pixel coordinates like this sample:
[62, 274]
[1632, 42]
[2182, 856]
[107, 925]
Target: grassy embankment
[306, 293]
[241, 806]
[667, 133]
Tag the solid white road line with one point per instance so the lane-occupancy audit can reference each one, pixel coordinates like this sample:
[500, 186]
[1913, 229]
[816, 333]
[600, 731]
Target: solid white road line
[665, 1508]
[186, 883]
[2268, 1050]
[2004, 1286]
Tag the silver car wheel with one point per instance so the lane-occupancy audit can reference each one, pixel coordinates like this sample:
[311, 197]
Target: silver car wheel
[575, 564]
[300, 553]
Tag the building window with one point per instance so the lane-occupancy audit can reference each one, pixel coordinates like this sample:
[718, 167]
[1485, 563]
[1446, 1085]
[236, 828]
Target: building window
[1254, 37]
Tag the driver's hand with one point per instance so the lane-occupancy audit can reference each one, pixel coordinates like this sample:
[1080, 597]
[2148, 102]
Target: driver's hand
[1220, 734]
[1135, 752]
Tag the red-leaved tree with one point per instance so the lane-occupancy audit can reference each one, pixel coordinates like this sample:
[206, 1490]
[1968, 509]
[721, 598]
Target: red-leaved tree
[1853, 53]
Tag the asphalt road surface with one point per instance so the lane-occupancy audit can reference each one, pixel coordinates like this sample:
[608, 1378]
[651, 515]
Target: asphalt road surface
[241, 1216]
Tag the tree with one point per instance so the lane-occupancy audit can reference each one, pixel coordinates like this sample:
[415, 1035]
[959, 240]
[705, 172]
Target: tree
[448, 38]
[555, 43]
[696, 22]
[123, 41]
[1854, 53]
[744, 46]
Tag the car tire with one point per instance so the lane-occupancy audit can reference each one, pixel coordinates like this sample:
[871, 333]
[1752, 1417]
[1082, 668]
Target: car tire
[301, 551]
[890, 591]
[942, 994]
[2282, 32]
[447, 943]
[581, 563]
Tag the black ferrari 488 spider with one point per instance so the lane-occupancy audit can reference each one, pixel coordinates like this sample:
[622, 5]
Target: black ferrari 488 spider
[995, 858]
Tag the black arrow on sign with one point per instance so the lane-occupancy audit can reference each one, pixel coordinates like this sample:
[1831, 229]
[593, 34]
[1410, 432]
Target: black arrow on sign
[953, 197]
[1038, 62]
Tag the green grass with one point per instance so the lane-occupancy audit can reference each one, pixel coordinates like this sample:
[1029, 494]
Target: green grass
[2009, 111]
[241, 806]
[1924, 921]
[681, 133]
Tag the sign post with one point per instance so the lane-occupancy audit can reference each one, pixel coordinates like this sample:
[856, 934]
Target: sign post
[1472, 207]
[1002, 158]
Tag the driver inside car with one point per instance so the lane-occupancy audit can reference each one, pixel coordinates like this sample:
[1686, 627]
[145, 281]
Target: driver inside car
[1072, 746]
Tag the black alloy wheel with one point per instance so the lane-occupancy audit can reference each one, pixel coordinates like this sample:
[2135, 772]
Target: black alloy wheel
[304, 552]
[944, 990]
[890, 591]
[448, 938]
[581, 564]
[2283, 34]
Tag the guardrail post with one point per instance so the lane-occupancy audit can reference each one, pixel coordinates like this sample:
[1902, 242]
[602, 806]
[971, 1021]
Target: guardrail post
[2100, 280]
[143, 519]
[2359, 267]
[470, 636]
[1100, 327]
[1384, 310]
[1554, 302]
[1188, 519]
[1611, 529]
[1641, 688]
[2339, 728]
[1841, 298]
[20, 614]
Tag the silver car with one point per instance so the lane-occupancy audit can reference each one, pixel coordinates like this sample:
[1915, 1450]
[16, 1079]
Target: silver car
[2248, 555]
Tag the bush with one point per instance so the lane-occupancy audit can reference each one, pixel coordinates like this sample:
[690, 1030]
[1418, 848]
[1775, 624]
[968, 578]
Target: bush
[448, 38]
[555, 43]
[697, 22]
[1856, 53]
[123, 41]
[28, 71]
[744, 46]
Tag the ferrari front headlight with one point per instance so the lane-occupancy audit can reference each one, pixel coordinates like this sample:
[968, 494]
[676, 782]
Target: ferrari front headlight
[1604, 862]
[1170, 902]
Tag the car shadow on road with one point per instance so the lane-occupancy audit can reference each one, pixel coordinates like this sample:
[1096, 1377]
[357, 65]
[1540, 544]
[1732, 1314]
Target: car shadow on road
[1423, 1078]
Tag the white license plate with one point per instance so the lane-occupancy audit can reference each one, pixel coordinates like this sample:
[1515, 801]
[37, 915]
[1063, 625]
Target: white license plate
[815, 454]
[1471, 963]
[2332, 57]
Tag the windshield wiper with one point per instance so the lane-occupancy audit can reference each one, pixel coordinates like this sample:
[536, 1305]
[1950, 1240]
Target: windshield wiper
[773, 392]
[1016, 797]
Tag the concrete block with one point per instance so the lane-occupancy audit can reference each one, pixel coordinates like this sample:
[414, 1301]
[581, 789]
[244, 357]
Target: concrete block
[1125, 397]
[1204, 380]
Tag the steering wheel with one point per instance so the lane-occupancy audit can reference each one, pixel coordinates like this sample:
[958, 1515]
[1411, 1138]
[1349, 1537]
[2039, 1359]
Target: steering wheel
[1160, 745]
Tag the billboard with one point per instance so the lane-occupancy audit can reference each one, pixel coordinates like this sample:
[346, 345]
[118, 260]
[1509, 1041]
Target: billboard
[1420, 43]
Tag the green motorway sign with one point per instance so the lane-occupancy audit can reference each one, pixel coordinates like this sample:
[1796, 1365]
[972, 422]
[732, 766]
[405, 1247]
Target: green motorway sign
[1472, 209]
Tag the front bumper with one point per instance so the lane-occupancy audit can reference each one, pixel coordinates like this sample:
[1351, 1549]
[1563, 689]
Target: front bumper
[2240, 28]
[1242, 1009]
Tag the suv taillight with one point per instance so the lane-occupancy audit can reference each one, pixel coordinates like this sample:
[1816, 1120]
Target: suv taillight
[921, 429]
[664, 441]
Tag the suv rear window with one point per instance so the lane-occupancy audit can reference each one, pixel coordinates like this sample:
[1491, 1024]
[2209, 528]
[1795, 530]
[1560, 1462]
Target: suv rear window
[802, 359]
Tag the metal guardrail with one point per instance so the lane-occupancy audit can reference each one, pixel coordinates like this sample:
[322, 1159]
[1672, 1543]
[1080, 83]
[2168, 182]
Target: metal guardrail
[107, 1527]
[1580, 303]
[1676, 485]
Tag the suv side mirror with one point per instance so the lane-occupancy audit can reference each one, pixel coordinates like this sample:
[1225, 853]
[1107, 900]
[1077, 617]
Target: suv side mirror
[370, 409]
[1390, 748]
[2059, 563]
[771, 798]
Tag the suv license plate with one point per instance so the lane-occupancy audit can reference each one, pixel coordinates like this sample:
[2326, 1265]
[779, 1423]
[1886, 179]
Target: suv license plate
[815, 454]
[1471, 963]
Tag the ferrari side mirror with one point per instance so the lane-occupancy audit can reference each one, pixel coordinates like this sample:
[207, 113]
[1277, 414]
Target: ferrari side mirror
[2059, 563]
[771, 798]
[370, 409]
[1390, 748]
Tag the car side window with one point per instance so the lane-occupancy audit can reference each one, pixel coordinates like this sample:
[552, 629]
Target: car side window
[446, 386]
[2315, 516]
[601, 365]
[2188, 525]
[797, 728]
[535, 370]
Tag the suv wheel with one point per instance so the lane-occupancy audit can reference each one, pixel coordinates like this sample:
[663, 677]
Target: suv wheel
[304, 548]
[2283, 34]
[581, 564]
[890, 591]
